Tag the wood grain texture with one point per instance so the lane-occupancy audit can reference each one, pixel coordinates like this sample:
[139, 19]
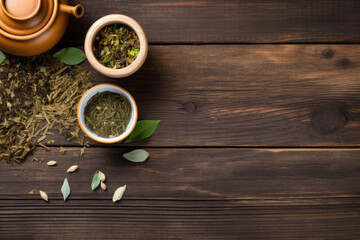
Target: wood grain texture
[215, 100]
[175, 220]
[259, 95]
[241, 21]
[186, 194]
[200, 174]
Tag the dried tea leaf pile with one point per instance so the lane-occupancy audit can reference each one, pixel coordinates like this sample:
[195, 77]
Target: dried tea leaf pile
[116, 46]
[107, 114]
[36, 95]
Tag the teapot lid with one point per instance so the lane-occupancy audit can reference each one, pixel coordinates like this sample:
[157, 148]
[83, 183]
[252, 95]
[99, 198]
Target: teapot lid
[29, 19]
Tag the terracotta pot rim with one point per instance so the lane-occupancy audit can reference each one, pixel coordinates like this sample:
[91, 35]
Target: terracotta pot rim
[111, 19]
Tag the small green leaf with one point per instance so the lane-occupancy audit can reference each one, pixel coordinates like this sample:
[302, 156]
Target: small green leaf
[70, 56]
[119, 193]
[95, 181]
[132, 52]
[143, 129]
[138, 155]
[2, 57]
[65, 189]
[108, 59]
[106, 49]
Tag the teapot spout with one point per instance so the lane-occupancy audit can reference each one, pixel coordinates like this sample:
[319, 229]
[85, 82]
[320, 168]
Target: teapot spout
[77, 10]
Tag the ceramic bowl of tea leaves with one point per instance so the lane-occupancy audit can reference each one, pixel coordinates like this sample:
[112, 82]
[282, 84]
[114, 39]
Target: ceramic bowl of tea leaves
[116, 46]
[107, 113]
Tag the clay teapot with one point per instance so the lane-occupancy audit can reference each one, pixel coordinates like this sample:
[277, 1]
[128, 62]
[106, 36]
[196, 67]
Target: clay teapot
[31, 27]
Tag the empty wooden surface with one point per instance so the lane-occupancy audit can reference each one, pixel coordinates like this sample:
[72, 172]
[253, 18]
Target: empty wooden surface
[229, 21]
[257, 140]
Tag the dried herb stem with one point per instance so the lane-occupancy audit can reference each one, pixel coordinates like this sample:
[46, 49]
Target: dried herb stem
[37, 93]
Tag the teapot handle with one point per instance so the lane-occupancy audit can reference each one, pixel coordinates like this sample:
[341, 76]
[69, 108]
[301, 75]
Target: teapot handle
[77, 10]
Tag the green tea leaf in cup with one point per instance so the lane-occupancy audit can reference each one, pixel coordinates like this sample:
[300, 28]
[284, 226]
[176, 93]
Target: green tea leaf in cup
[143, 129]
[2, 57]
[108, 59]
[107, 114]
[70, 56]
[95, 181]
[119, 193]
[132, 52]
[116, 46]
[138, 155]
[65, 189]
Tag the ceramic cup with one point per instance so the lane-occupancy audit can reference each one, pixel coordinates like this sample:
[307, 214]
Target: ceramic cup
[108, 20]
[102, 88]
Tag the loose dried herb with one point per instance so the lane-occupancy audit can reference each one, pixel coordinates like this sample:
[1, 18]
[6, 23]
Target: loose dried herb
[107, 114]
[82, 151]
[116, 46]
[62, 150]
[143, 129]
[36, 95]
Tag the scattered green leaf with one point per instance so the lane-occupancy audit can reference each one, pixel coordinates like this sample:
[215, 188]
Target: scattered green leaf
[138, 155]
[119, 193]
[95, 181]
[2, 57]
[65, 189]
[143, 129]
[70, 56]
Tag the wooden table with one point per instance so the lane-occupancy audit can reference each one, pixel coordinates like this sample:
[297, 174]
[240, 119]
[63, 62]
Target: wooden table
[259, 139]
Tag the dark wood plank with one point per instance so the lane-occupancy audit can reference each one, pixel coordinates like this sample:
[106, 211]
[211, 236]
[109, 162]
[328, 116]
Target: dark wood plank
[186, 194]
[241, 21]
[261, 95]
[192, 174]
[175, 220]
